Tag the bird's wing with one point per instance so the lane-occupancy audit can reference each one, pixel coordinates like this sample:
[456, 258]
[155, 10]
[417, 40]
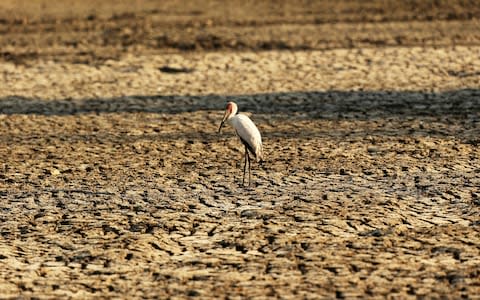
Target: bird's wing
[249, 133]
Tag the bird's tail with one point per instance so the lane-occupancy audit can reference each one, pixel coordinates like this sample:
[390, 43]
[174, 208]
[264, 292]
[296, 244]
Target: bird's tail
[259, 155]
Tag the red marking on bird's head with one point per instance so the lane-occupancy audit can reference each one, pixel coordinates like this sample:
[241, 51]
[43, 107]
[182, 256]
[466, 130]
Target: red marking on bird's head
[230, 106]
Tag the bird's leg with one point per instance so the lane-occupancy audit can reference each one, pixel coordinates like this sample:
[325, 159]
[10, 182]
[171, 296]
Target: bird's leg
[249, 170]
[245, 165]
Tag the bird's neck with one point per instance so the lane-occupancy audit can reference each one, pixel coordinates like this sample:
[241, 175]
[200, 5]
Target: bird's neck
[232, 115]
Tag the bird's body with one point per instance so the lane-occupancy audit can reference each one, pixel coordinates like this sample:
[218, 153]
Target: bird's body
[247, 132]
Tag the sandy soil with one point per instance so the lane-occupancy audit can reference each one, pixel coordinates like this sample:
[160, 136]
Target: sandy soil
[115, 183]
[92, 31]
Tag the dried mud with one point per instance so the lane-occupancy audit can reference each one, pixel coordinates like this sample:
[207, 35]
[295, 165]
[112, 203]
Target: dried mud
[115, 183]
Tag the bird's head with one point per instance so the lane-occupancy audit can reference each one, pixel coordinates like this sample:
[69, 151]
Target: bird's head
[230, 111]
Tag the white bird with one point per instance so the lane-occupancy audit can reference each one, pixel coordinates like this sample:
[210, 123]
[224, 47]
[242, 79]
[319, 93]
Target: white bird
[248, 134]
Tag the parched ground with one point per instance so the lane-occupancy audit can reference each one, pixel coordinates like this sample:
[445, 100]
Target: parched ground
[114, 182]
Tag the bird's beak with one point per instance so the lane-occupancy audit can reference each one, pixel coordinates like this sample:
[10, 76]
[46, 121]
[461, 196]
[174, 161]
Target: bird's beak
[221, 125]
[225, 117]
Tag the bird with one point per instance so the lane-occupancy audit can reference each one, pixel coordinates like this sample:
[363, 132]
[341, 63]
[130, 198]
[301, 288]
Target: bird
[248, 134]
